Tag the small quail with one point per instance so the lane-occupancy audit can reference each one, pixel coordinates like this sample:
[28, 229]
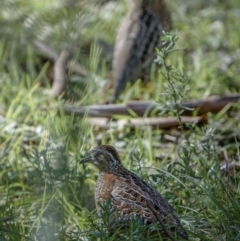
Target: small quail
[138, 36]
[129, 196]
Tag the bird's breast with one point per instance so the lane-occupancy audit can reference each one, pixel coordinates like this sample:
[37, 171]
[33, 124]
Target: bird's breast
[104, 187]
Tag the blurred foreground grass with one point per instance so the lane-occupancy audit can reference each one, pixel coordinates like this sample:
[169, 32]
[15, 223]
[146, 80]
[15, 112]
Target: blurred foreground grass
[45, 193]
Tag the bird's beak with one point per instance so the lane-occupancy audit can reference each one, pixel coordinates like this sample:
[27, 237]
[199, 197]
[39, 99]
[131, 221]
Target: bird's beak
[86, 160]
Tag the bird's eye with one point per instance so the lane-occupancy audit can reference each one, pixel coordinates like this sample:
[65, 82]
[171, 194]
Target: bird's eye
[95, 156]
[101, 157]
[98, 157]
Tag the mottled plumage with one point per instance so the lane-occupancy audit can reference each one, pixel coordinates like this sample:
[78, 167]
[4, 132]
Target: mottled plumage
[129, 196]
[138, 36]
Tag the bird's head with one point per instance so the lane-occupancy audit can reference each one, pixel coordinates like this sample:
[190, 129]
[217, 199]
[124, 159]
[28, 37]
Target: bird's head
[104, 157]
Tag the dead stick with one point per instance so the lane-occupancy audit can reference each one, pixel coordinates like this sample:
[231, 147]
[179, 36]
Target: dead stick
[211, 104]
[59, 82]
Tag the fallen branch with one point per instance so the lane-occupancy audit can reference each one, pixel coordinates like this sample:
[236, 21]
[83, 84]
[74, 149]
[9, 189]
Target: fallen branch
[160, 122]
[212, 104]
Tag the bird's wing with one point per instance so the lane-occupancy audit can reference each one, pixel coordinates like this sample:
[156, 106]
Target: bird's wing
[132, 198]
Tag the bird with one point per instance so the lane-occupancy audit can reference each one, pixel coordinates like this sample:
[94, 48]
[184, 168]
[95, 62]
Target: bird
[137, 38]
[127, 196]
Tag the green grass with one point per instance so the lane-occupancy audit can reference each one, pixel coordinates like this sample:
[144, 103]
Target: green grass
[45, 194]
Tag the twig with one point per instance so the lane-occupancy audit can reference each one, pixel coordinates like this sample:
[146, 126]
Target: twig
[50, 53]
[59, 82]
[46, 50]
[159, 122]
